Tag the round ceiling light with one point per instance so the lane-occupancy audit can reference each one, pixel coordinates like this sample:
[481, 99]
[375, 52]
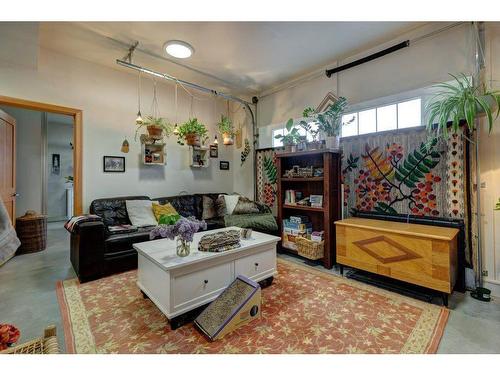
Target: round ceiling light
[179, 49]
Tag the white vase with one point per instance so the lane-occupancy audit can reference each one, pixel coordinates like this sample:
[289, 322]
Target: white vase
[333, 143]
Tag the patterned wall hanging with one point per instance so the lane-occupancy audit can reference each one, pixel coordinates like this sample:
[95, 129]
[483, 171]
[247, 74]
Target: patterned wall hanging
[267, 176]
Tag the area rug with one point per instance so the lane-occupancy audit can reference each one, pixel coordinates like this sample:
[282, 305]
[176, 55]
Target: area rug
[304, 311]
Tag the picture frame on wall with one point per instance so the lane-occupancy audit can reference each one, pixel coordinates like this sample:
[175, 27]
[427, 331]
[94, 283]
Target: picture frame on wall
[214, 151]
[113, 164]
[56, 164]
[224, 165]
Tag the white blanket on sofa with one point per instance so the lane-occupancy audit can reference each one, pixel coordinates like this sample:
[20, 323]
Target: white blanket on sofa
[8, 237]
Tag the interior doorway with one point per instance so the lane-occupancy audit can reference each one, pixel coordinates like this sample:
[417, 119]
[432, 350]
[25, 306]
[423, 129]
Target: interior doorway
[52, 182]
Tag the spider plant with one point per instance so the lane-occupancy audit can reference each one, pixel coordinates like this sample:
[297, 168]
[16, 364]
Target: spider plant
[155, 125]
[460, 101]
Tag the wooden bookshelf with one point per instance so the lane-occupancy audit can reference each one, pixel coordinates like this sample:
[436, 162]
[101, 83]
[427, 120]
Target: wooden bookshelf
[328, 186]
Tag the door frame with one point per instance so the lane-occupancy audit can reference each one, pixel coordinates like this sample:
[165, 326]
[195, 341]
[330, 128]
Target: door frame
[77, 139]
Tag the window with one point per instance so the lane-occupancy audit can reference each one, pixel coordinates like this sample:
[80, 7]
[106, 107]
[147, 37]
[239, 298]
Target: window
[278, 142]
[302, 132]
[400, 115]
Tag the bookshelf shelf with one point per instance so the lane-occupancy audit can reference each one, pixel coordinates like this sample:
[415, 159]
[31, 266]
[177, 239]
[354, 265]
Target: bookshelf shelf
[322, 218]
[303, 208]
[302, 179]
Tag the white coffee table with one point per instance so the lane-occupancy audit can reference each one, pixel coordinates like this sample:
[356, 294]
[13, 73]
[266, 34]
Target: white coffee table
[178, 286]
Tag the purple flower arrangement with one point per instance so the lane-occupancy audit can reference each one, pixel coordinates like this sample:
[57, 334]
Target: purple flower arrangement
[184, 229]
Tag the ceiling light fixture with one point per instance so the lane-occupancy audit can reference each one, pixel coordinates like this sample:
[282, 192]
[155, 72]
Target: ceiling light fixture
[179, 49]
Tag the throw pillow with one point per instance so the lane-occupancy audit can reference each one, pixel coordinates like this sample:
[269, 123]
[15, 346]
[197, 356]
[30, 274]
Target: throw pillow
[163, 209]
[220, 206]
[140, 213]
[231, 202]
[245, 206]
[209, 210]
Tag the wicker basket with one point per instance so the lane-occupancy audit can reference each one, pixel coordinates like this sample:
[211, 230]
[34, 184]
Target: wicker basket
[43, 345]
[313, 250]
[32, 232]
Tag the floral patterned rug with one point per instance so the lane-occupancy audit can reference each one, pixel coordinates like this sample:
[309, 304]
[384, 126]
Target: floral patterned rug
[303, 311]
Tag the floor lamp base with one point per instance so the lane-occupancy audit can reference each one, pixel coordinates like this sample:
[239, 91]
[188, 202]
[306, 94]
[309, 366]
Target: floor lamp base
[481, 294]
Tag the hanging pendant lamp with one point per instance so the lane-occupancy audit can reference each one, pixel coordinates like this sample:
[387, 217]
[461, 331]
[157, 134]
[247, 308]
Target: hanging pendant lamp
[139, 119]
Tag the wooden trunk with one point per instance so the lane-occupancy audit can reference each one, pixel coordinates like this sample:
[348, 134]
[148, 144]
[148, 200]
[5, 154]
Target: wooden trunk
[418, 254]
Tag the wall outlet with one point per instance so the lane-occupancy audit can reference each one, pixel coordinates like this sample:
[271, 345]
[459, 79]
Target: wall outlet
[485, 273]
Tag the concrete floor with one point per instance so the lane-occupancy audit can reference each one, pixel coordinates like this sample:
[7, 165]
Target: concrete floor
[28, 300]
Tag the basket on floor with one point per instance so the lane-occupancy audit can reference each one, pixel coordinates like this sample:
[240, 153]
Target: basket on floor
[313, 250]
[32, 232]
[43, 345]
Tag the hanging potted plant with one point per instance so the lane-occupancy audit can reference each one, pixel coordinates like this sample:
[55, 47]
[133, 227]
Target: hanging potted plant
[192, 133]
[462, 101]
[291, 137]
[330, 122]
[157, 127]
[226, 128]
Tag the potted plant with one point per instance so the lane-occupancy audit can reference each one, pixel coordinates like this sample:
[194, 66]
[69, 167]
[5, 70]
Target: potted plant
[192, 132]
[462, 101]
[330, 122]
[291, 137]
[455, 103]
[315, 144]
[226, 128]
[157, 127]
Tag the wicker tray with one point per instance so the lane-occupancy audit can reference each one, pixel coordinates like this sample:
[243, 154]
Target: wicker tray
[313, 250]
[42, 345]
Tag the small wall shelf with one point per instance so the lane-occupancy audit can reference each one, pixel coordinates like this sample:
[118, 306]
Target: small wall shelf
[152, 152]
[199, 157]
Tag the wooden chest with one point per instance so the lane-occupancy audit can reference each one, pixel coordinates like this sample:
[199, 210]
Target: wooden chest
[419, 254]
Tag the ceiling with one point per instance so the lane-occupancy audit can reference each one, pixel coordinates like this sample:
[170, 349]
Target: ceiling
[239, 57]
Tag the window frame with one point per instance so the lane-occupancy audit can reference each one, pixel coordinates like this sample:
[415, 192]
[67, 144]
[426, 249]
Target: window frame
[379, 103]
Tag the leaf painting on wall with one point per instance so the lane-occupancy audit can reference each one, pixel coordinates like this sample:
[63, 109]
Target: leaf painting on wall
[388, 178]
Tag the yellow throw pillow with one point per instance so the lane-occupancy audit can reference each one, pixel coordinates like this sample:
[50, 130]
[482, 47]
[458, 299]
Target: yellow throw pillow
[163, 209]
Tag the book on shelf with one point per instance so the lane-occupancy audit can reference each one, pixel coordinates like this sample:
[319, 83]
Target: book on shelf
[292, 196]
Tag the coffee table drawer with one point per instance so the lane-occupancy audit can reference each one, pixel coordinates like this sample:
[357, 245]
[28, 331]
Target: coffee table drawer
[201, 285]
[256, 265]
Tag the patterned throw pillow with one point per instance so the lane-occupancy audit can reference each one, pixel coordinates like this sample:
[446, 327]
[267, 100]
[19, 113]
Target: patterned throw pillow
[220, 206]
[163, 209]
[209, 210]
[245, 206]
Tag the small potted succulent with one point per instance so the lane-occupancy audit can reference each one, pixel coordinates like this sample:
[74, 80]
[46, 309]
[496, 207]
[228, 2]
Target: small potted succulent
[226, 128]
[192, 133]
[182, 230]
[157, 127]
[291, 137]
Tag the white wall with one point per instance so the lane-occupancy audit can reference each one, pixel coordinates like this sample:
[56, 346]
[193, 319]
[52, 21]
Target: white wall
[490, 168]
[108, 98]
[28, 159]
[425, 62]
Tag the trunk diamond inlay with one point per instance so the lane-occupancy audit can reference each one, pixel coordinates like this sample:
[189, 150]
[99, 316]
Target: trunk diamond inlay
[408, 254]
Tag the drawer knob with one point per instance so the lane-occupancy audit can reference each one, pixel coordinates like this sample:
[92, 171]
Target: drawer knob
[256, 264]
[205, 281]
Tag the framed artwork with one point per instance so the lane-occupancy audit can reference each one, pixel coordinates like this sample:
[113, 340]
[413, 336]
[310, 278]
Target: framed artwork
[224, 165]
[113, 163]
[214, 151]
[56, 164]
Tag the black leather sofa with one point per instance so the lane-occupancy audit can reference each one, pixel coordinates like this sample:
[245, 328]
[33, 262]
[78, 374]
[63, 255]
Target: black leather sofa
[95, 252]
